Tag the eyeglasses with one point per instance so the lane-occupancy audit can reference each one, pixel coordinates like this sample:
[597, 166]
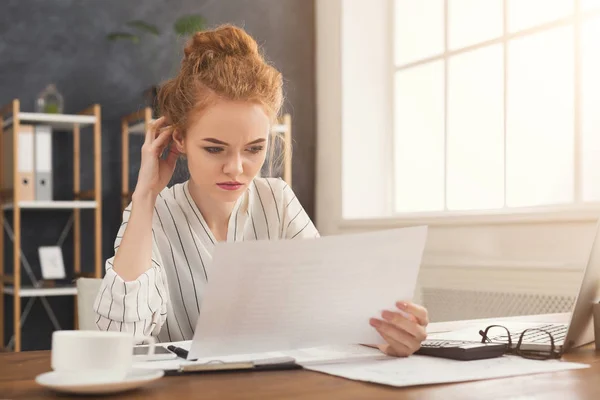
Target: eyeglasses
[499, 333]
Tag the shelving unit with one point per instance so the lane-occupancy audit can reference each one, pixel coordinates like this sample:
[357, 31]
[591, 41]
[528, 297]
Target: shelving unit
[137, 123]
[11, 115]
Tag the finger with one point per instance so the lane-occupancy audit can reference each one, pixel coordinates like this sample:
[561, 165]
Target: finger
[408, 316]
[152, 128]
[163, 139]
[418, 311]
[388, 350]
[172, 157]
[397, 334]
[410, 326]
[393, 347]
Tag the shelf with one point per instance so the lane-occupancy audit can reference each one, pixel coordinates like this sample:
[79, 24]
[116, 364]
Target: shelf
[138, 128]
[56, 121]
[279, 128]
[29, 291]
[13, 203]
[53, 205]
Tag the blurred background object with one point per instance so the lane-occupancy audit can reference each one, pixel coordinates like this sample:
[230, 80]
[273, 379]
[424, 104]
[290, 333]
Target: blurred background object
[50, 101]
[183, 27]
[66, 42]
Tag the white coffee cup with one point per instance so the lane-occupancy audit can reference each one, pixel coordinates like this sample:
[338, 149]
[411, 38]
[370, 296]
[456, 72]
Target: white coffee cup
[95, 356]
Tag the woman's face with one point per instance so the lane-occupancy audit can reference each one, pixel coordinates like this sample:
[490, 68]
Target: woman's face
[225, 148]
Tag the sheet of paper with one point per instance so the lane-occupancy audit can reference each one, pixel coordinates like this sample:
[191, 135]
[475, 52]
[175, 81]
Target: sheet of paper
[334, 354]
[422, 370]
[289, 294]
[310, 356]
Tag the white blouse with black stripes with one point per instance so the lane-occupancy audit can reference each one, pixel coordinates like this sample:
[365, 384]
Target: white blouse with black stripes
[165, 300]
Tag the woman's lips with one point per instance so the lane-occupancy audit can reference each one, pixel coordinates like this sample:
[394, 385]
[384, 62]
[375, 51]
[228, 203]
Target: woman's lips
[230, 185]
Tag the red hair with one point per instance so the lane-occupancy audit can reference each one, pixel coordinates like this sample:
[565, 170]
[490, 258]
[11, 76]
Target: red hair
[223, 63]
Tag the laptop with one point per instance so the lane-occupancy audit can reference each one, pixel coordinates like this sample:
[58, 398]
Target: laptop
[578, 332]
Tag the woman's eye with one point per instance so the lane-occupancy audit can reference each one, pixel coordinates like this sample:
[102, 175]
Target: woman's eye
[256, 149]
[214, 150]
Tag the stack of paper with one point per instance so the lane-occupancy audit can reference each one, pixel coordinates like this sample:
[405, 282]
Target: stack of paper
[305, 357]
[370, 365]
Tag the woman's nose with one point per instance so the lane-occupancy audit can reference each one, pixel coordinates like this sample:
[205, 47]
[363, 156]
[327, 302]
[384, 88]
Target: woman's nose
[233, 166]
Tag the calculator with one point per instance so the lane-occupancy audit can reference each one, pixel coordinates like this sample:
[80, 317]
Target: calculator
[459, 350]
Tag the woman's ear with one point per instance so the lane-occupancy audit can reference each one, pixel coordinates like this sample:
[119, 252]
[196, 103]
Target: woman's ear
[179, 141]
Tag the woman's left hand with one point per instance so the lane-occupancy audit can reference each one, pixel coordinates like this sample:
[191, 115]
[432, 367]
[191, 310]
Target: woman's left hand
[403, 329]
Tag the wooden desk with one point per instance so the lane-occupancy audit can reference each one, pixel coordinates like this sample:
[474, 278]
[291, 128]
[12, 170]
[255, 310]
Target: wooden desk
[18, 371]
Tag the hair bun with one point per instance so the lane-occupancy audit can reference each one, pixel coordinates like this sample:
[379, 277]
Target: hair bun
[226, 40]
[220, 64]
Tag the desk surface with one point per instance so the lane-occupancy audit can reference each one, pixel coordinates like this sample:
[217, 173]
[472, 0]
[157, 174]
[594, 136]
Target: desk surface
[18, 371]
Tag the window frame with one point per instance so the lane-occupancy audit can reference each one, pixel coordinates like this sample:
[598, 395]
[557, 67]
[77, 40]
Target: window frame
[577, 210]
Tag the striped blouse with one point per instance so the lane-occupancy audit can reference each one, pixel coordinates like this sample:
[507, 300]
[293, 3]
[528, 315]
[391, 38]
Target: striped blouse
[165, 300]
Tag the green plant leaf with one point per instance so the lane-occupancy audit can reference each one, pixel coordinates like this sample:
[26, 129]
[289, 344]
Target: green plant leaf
[144, 27]
[189, 24]
[122, 36]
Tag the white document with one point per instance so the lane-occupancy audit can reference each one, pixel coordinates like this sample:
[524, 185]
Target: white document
[423, 370]
[334, 354]
[311, 356]
[283, 295]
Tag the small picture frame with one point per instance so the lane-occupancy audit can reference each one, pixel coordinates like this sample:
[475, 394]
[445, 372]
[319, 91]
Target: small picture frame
[51, 261]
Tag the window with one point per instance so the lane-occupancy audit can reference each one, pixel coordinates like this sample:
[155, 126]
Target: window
[496, 104]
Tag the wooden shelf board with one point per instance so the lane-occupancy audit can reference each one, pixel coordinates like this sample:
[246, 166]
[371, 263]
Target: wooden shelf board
[29, 291]
[49, 205]
[56, 121]
[137, 128]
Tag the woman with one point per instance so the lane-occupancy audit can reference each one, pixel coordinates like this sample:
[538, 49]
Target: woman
[217, 114]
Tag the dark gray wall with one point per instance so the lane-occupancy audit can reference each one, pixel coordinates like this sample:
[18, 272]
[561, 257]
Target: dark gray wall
[63, 41]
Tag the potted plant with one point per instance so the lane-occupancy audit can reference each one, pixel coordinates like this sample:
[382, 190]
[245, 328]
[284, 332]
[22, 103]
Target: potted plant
[183, 27]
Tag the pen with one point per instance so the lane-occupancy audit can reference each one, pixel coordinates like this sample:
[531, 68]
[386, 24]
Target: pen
[179, 351]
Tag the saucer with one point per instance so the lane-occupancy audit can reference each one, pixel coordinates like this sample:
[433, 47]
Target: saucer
[135, 378]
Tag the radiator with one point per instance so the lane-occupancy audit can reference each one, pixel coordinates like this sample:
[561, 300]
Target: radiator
[455, 304]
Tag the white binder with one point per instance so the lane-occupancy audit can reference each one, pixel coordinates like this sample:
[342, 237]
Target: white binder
[43, 163]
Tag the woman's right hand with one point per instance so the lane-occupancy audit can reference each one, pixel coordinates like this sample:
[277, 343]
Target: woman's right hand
[155, 173]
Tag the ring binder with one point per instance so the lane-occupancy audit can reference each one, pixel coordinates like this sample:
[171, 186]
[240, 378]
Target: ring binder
[43, 163]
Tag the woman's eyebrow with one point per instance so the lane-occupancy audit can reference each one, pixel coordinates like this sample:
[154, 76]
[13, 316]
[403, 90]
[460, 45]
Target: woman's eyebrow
[217, 141]
[261, 140]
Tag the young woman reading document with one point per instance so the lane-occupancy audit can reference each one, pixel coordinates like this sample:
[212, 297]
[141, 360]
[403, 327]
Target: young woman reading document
[216, 113]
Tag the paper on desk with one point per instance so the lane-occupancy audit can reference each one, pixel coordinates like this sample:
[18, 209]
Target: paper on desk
[422, 370]
[289, 294]
[310, 356]
[334, 354]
